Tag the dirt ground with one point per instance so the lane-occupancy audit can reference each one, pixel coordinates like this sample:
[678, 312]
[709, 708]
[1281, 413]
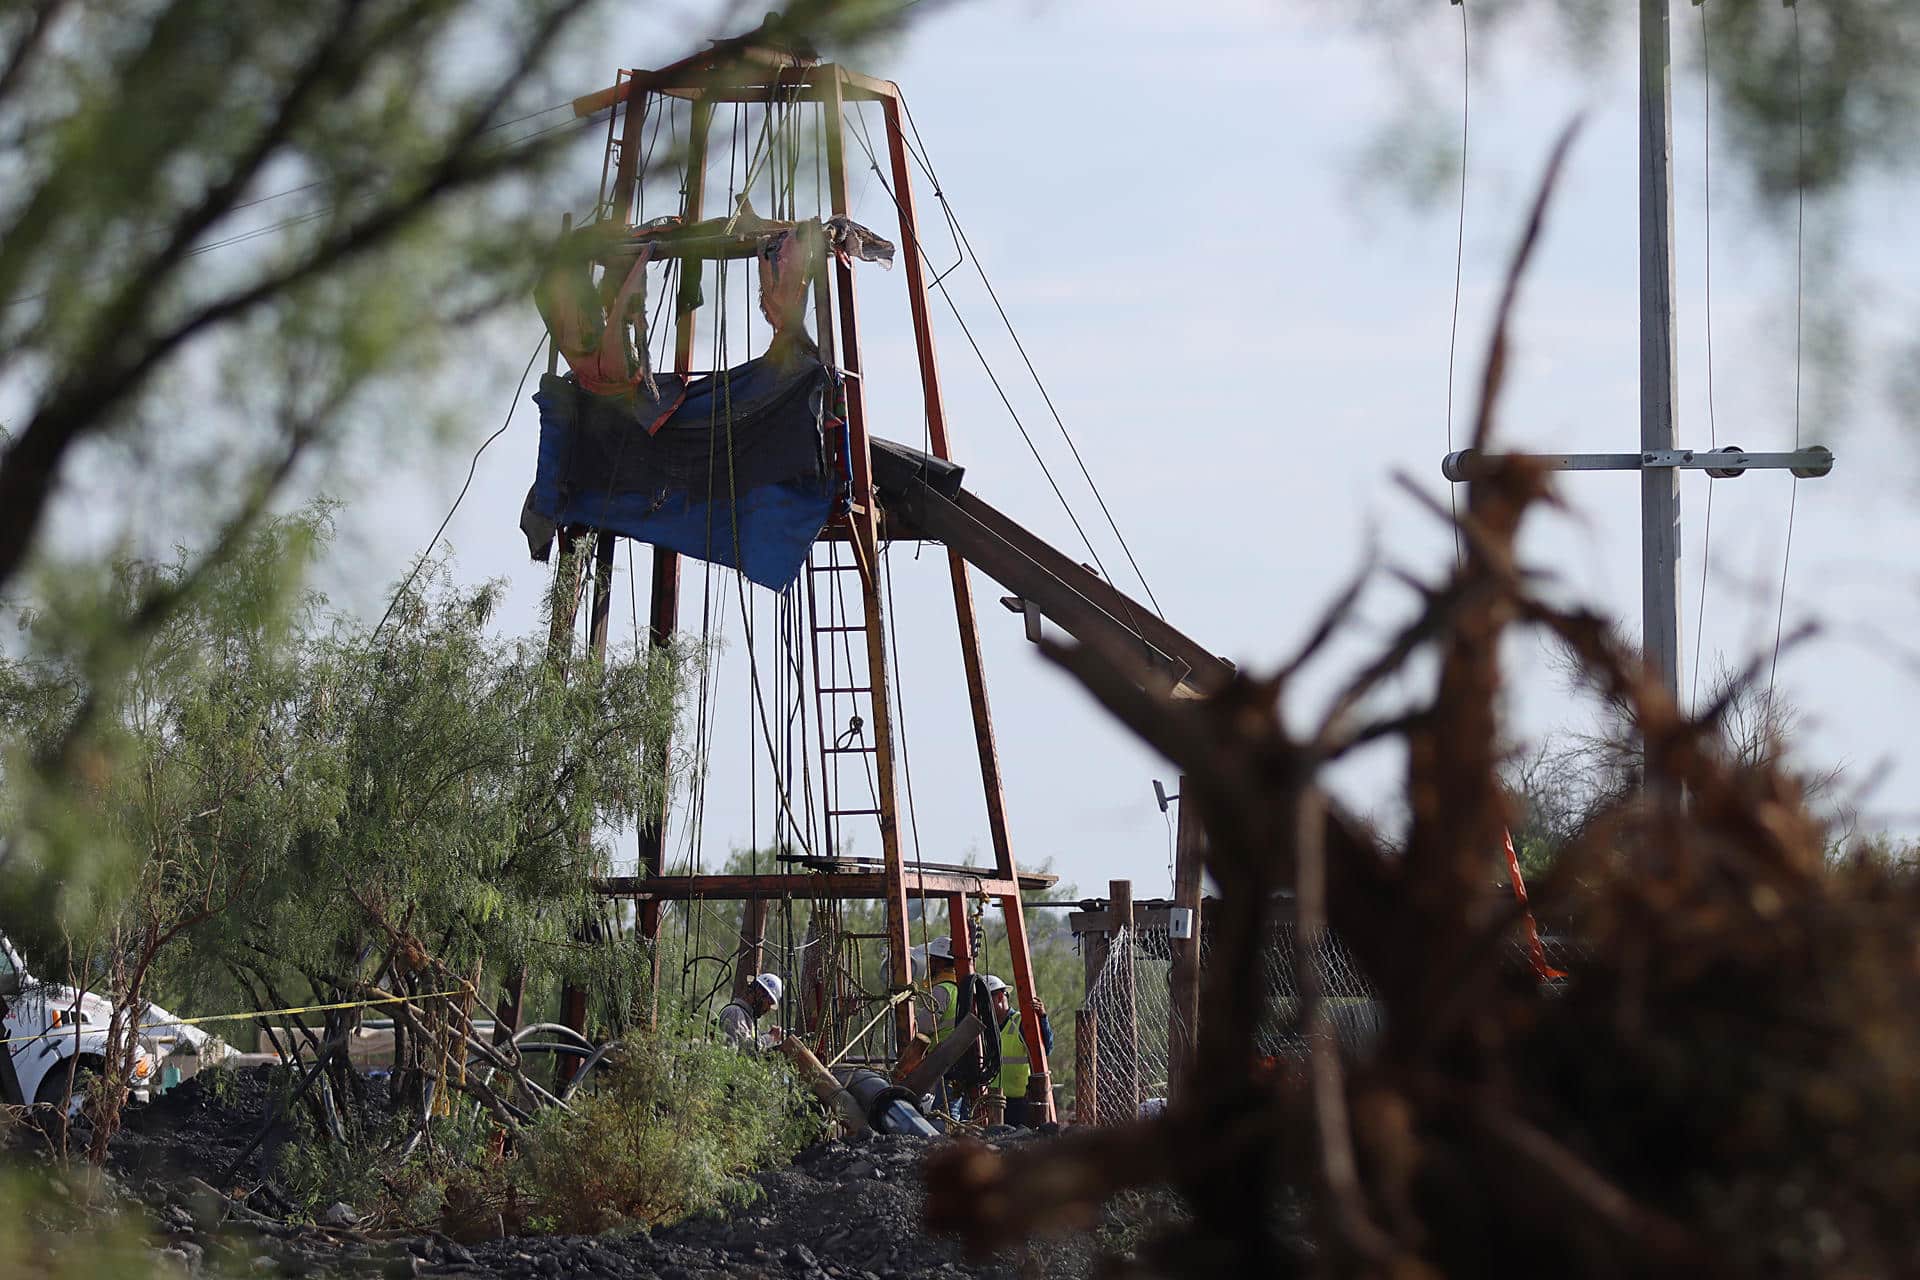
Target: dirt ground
[849, 1210]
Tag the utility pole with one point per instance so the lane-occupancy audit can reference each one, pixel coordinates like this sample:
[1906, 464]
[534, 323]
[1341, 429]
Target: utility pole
[1659, 486]
[1660, 459]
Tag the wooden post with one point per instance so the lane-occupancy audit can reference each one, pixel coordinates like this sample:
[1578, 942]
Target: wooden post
[1659, 486]
[1086, 1067]
[1094, 948]
[1127, 1043]
[1184, 978]
[959, 933]
[751, 954]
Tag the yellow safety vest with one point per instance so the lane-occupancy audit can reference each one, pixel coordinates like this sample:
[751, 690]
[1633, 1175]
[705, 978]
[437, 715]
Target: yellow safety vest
[1015, 1070]
[953, 1005]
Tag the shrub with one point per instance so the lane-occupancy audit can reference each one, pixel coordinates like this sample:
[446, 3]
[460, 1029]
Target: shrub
[671, 1128]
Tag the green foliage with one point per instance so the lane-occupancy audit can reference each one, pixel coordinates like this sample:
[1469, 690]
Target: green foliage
[670, 1126]
[670, 1130]
[288, 787]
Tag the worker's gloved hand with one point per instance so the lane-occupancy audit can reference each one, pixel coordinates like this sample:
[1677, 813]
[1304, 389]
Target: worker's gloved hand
[775, 1035]
[1039, 1007]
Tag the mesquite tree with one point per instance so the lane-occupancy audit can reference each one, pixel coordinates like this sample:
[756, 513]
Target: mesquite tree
[313, 813]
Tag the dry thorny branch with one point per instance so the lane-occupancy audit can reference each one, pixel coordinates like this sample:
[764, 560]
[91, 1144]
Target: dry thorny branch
[1729, 1082]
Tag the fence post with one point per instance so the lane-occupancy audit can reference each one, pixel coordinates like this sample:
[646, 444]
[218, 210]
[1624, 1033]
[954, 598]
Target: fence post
[1183, 980]
[1086, 1067]
[1127, 1046]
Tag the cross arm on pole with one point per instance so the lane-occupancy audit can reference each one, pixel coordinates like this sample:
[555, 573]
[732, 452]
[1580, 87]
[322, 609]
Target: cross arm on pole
[1722, 464]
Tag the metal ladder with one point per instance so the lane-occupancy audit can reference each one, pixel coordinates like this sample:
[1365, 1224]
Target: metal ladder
[842, 689]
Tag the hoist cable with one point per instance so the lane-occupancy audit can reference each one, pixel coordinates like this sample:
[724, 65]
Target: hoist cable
[993, 377]
[926, 167]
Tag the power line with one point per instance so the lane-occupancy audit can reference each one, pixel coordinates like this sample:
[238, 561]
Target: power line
[994, 378]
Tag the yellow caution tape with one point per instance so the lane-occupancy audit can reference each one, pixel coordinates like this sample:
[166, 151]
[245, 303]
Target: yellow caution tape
[81, 1028]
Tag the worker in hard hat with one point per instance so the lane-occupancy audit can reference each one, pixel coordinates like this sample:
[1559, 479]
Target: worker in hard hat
[943, 986]
[739, 1020]
[1016, 1063]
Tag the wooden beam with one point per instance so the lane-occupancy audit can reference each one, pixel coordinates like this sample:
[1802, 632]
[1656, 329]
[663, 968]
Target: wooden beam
[749, 958]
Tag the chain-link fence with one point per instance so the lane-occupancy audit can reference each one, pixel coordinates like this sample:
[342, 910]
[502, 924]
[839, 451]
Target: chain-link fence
[1128, 1016]
[1126, 1027]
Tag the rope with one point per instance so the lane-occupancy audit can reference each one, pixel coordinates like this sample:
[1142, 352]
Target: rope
[1713, 428]
[1459, 262]
[960, 232]
[1799, 282]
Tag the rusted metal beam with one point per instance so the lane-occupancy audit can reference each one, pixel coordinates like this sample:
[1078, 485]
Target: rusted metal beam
[965, 615]
[1061, 590]
[867, 547]
[1206, 672]
[873, 884]
[698, 79]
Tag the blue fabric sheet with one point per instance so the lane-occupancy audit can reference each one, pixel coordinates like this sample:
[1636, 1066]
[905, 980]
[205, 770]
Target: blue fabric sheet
[600, 468]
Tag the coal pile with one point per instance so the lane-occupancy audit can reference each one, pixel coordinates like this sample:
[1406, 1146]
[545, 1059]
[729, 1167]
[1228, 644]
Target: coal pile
[198, 1128]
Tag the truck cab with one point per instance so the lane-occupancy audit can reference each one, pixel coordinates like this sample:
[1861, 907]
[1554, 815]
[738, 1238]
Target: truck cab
[56, 1039]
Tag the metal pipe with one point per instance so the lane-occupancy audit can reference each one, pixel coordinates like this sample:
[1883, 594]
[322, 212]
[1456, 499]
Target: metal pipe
[887, 1107]
[832, 1094]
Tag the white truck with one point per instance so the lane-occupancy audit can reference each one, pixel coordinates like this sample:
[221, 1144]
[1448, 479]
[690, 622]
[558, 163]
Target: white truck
[57, 1039]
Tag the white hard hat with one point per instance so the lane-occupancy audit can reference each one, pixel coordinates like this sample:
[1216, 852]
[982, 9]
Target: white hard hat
[994, 985]
[941, 946]
[769, 983]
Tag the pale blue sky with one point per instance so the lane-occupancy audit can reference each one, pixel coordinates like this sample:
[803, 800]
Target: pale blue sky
[1249, 341]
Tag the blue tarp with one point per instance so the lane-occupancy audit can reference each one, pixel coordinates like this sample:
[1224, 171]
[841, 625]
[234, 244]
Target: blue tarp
[735, 469]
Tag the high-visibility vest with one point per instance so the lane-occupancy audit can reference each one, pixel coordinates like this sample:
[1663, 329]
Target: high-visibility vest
[952, 989]
[1015, 1069]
